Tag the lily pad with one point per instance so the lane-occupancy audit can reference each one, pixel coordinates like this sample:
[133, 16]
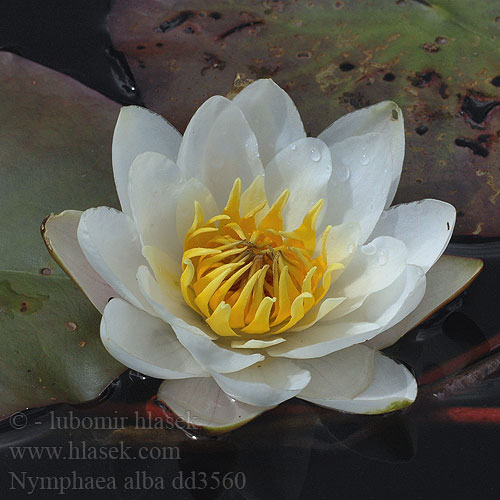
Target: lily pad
[51, 350]
[55, 153]
[437, 59]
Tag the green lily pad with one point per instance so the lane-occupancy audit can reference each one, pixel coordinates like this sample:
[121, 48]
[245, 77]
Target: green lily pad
[51, 349]
[438, 59]
[55, 154]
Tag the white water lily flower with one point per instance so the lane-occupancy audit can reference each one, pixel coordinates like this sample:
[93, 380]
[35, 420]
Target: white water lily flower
[251, 264]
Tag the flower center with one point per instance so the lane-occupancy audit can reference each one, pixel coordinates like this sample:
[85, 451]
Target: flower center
[248, 276]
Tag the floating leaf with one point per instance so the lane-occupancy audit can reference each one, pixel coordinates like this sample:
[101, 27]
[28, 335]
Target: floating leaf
[438, 59]
[51, 350]
[55, 154]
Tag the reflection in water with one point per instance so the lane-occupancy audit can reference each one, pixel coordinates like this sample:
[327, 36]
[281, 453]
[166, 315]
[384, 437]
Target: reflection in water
[387, 438]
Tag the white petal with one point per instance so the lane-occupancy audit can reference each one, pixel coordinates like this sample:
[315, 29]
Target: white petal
[322, 339]
[110, 243]
[167, 301]
[211, 356]
[272, 115]
[267, 383]
[139, 130]
[341, 375]
[256, 343]
[342, 241]
[157, 194]
[369, 271]
[145, 343]
[424, 226]
[317, 313]
[384, 117]
[448, 277]
[360, 181]
[393, 303]
[393, 387]
[304, 167]
[201, 402]
[154, 188]
[219, 146]
[59, 234]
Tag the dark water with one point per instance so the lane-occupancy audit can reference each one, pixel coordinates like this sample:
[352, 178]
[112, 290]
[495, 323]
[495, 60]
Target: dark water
[445, 446]
[70, 37]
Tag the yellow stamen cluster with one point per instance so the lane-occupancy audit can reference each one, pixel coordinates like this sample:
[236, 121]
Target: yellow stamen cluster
[247, 276]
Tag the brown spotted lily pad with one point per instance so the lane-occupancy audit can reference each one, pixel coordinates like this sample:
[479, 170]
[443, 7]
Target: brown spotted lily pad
[438, 59]
[55, 153]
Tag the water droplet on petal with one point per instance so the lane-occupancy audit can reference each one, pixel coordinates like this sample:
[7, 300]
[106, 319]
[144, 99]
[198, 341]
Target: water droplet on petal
[293, 147]
[382, 258]
[364, 159]
[350, 248]
[420, 271]
[315, 155]
[369, 249]
[343, 173]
